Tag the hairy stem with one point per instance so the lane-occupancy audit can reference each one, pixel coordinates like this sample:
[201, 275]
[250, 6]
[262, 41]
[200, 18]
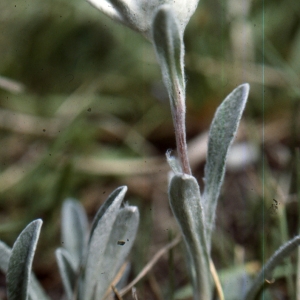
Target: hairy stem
[178, 114]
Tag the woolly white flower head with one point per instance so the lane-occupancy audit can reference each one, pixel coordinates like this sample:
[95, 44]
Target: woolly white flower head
[138, 14]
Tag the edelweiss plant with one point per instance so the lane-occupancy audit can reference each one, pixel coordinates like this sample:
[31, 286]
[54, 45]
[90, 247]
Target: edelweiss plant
[86, 256]
[163, 23]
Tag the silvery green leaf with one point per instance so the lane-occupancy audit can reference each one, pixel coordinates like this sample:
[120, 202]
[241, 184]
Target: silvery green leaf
[74, 230]
[99, 237]
[266, 272]
[20, 262]
[138, 14]
[110, 207]
[222, 132]
[120, 242]
[4, 256]
[184, 196]
[168, 44]
[36, 292]
[67, 271]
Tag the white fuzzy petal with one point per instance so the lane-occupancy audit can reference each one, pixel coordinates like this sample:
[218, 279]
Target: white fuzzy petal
[139, 13]
[107, 8]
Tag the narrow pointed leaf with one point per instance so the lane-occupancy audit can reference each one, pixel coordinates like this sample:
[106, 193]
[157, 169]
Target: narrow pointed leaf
[222, 132]
[184, 195]
[74, 230]
[120, 242]
[67, 271]
[168, 44]
[36, 292]
[109, 207]
[20, 262]
[99, 237]
[266, 272]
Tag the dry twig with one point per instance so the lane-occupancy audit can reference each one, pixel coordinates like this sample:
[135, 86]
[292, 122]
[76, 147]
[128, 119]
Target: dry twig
[150, 265]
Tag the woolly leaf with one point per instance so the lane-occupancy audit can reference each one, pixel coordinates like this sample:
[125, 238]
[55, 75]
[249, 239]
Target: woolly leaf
[74, 230]
[36, 292]
[168, 44]
[184, 196]
[20, 262]
[110, 206]
[67, 271]
[99, 237]
[120, 242]
[222, 132]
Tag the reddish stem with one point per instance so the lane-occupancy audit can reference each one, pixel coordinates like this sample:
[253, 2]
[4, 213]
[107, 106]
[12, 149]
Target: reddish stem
[178, 112]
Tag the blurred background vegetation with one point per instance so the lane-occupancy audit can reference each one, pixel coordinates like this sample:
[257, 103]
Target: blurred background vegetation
[83, 110]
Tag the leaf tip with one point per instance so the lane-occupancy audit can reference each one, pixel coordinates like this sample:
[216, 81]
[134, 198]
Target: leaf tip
[35, 224]
[38, 221]
[245, 88]
[124, 188]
